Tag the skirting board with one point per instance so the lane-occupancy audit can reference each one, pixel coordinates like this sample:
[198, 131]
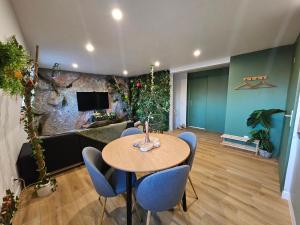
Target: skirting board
[287, 196]
[199, 128]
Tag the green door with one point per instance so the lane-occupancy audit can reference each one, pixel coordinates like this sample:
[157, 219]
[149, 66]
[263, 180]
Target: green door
[291, 107]
[207, 98]
[197, 96]
[217, 86]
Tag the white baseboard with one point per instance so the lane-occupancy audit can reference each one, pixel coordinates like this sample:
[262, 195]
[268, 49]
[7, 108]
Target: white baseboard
[199, 128]
[287, 196]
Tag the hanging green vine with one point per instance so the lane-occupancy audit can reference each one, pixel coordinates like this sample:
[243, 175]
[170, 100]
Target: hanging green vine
[13, 59]
[19, 75]
[150, 96]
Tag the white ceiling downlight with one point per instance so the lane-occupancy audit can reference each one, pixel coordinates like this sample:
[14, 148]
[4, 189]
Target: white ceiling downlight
[117, 14]
[197, 53]
[89, 47]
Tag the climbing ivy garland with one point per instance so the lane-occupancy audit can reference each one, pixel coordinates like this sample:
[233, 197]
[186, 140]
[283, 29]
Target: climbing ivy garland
[150, 96]
[13, 59]
[19, 75]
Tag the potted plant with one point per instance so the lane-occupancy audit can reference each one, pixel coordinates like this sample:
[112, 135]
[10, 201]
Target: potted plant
[262, 118]
[19, 76]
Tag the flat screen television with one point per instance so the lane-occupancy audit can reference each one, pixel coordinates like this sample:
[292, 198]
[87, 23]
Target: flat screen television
[92, 101]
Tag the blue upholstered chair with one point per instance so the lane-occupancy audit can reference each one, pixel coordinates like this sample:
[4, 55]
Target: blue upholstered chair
[162, 190]
[191, 139]
[107, 181]
[131, 131]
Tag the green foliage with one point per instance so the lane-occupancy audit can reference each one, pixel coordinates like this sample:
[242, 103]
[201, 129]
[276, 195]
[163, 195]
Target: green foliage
[13, 60]
[103, 116]
[120, 87]
[150, 96]
[263, 136]
[9, 207]
[262, 117]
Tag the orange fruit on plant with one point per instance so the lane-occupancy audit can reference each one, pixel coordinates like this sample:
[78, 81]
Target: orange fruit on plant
[18, 74]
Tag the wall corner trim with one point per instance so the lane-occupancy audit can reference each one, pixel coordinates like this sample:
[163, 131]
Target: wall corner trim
[287, 196]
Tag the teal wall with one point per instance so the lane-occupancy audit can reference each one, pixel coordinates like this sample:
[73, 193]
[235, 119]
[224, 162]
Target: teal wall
[207, 96]
[291, 105]
[276, 64]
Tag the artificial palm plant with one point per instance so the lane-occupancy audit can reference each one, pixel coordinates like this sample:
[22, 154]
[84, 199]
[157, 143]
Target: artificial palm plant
[262, 118]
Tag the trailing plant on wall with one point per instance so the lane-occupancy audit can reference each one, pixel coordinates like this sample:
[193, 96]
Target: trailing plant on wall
[29, 82]
[150, 96]
[19, 75]
[13, 59]
[121, 88]
[262, 118]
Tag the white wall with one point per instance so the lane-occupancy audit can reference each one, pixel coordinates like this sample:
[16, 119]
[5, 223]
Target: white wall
[11, 131]
[179, 98]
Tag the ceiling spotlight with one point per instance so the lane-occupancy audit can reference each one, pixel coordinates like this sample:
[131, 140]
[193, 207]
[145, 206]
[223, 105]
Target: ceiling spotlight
[157, 63]
[197, 52]
[125, 72]
[117, 14]
[89, 47]
[75, 65]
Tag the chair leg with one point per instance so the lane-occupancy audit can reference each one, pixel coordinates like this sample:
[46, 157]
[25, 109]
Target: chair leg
[102, 210]
[148, 217]
[193, 187]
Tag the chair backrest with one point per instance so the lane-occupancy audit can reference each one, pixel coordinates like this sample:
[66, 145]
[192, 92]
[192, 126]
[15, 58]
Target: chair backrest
[191, 139]
[131, 131]
[96, 167]
[162, 190]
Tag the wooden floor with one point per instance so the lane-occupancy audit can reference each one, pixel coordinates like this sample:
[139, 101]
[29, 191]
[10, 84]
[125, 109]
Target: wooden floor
[234, 187]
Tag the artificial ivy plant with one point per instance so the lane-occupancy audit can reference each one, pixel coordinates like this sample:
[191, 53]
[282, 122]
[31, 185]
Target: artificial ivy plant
[150, 98]
[13, 59]
[19, 76]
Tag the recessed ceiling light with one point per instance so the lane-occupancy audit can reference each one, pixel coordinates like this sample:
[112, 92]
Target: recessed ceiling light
[74, 65]
[197, 52]
[157, 63]
[117, 14]
[125, 72]
[89, 47]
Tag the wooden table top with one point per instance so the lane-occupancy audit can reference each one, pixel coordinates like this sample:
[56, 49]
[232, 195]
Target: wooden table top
[121, 154]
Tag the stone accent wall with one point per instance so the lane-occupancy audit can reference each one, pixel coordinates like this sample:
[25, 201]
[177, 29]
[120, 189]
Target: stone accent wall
[56, 102]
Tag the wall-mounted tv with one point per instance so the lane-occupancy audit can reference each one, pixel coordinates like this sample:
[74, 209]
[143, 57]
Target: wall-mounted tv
[92, 101]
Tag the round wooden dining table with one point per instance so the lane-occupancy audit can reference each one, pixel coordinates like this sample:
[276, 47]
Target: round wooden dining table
[120, 154]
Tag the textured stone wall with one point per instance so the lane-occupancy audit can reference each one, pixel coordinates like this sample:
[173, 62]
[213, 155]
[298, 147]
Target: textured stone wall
[56, 102]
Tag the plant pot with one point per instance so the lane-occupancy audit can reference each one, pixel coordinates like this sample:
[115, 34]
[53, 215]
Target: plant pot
[44, 189]
[265, 153]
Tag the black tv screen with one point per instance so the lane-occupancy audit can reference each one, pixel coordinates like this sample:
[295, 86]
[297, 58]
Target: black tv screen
[92, 101]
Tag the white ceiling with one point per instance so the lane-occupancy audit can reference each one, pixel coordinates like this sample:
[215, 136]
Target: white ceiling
[164, 30]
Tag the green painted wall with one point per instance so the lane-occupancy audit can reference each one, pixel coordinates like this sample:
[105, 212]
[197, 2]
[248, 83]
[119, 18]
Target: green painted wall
[207, 96]
[291, 105]
[276, 64]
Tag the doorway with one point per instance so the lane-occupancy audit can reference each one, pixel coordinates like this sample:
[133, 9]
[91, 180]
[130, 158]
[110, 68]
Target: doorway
[207, 98]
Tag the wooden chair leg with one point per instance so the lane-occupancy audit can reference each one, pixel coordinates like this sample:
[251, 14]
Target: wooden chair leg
[148, 217]
[102, 211]
[193, 186]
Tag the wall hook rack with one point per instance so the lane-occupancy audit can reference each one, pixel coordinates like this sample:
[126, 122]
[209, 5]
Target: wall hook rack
[261, 84]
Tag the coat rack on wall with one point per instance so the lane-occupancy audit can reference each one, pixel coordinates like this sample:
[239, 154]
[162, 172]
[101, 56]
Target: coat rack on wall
[248, 83]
